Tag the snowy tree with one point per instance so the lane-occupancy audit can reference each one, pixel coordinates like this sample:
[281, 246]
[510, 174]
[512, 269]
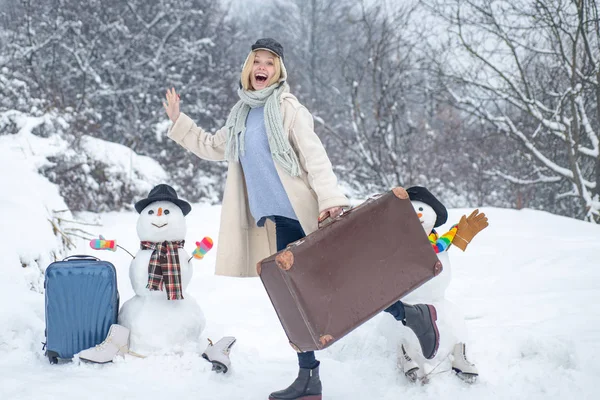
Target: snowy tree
[532, 71]
[109, 63]
[384, 76]
[356, 66]
[313, 33]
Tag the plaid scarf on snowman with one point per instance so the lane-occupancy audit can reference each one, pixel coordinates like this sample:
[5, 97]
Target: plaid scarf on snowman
[164, 269]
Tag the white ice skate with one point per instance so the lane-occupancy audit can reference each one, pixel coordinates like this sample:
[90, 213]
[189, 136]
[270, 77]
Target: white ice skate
[464, 369]
[116, 343]
[218, 353]
[408, 365]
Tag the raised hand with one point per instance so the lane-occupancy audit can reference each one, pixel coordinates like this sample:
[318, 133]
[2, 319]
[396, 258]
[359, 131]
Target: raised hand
[172, 104]
[478, 221]
[468, 227]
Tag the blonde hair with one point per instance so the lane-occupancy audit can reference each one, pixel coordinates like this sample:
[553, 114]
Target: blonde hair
[247, 71]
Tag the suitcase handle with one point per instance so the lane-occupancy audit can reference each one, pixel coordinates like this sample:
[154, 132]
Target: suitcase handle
[81, 257]
[328, 221]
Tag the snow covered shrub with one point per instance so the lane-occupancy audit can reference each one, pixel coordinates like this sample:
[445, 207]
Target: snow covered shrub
[95, 175]
[7, 125]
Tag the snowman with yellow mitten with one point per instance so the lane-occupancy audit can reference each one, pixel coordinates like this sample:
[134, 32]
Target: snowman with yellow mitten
[432, 214]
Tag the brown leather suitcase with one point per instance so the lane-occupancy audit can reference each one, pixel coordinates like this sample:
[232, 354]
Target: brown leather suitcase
[335, 279]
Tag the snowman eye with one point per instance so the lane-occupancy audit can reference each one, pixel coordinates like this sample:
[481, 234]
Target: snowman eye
[150, 212]
[167, 212]
[420, 208]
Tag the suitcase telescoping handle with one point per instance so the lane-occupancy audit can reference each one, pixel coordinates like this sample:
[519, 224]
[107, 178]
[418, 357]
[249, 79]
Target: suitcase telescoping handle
[81, 257]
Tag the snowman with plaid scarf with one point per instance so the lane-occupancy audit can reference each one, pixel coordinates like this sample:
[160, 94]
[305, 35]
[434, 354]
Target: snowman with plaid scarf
[432, 214]
[161, 316]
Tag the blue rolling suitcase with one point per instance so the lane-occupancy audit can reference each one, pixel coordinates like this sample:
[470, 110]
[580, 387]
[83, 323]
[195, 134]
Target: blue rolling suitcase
[82, 302]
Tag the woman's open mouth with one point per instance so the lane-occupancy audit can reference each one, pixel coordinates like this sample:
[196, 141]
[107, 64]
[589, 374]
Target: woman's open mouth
[260, 77]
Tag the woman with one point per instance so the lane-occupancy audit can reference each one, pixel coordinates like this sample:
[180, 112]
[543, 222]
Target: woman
[280, 183]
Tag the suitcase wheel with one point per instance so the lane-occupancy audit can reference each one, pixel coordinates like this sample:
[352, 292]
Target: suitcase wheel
[52, 357]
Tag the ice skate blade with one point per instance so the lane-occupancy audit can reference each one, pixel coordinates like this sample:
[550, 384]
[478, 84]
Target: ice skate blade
[216, 366]
[466, 377]
[87, 361]
[219, 367]
[411, 375]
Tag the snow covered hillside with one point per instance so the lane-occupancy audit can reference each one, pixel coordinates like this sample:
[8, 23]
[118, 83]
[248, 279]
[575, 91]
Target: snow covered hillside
[529, 286]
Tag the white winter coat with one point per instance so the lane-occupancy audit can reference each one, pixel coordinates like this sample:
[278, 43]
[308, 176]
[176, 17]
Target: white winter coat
[241, 243]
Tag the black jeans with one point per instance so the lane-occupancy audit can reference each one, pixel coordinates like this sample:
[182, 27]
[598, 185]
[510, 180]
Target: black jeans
[288, 231]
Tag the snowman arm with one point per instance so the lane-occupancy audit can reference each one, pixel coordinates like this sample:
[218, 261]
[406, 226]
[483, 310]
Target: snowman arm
[468, 227]
[195, 139]
[127, 251]
[442, 243]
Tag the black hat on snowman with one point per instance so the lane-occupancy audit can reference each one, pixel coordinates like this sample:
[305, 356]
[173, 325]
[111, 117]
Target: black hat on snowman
[419, 193]
[163, 192]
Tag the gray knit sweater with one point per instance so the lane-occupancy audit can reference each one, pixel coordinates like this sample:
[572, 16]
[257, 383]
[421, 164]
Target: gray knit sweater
[266, 194]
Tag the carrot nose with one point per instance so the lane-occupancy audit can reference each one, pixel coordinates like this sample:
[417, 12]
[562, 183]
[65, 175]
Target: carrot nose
[159, 211]
[418, 214]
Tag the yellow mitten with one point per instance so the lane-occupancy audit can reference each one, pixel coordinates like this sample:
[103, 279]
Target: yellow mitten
[468, 227]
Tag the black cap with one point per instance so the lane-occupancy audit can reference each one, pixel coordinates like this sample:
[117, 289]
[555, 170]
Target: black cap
[419, 193]
[163, 192]
[269, 44]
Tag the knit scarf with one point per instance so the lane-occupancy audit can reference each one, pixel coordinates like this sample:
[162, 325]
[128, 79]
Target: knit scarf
[164, 268]
[281, 150]
[442, 243]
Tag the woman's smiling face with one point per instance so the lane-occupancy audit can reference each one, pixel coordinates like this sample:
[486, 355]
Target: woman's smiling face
[263, 69]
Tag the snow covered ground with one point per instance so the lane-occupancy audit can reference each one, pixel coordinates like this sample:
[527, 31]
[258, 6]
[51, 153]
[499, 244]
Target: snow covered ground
[529, 286]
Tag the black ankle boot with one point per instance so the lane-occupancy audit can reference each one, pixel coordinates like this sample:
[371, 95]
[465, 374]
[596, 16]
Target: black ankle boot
[421, 319]
[307, 386]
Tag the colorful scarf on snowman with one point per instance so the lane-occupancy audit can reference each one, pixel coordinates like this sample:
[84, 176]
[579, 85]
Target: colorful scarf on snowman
[442, 243]
[164, 269]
